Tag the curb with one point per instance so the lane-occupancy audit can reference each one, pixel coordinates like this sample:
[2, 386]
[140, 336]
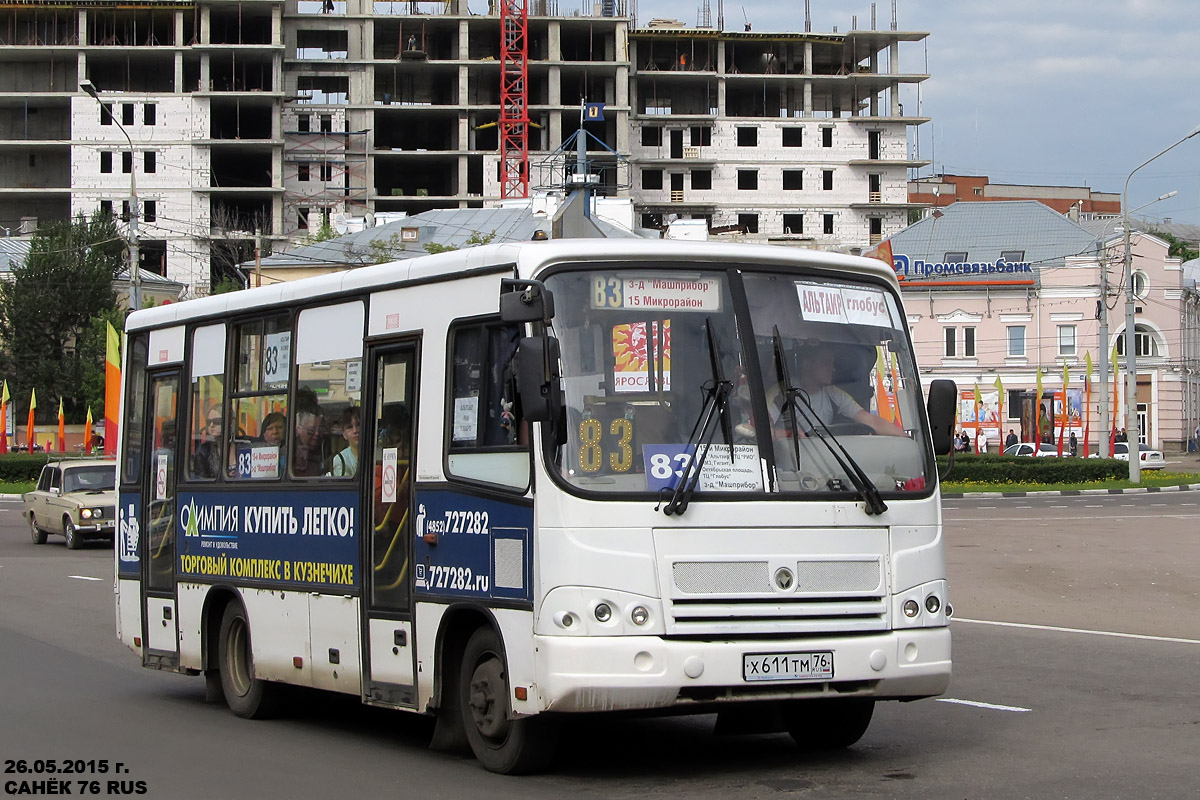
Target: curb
[1187, 487]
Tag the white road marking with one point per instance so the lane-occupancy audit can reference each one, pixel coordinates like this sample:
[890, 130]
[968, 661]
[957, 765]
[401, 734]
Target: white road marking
[1072, 519]
[1058, 629]
[84, 578]
[976, 704]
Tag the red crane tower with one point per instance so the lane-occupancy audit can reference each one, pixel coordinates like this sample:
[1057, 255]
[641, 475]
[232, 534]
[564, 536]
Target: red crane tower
[514, 98]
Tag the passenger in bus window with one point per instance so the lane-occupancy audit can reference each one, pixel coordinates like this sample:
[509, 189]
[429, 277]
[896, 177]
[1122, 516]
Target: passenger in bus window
[273, 428]
[206, 462]
[307, 458]
[830, 404]
[345, 463]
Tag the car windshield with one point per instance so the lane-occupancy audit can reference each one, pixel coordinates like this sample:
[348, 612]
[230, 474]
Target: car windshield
[808, 384]
[89, 479]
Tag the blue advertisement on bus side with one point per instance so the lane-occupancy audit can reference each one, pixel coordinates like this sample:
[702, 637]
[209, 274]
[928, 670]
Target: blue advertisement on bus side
[129, 562]
[468, 546]
[273, 537]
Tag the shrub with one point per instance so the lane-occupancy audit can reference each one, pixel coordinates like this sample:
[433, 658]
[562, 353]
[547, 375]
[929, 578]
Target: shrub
[1027, 469]
[22, 467]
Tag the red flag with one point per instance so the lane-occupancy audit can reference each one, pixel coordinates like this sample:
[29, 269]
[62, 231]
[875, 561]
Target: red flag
[112, 390]
[29, 424]
[62, 429]
[87, 433]
[4, 397]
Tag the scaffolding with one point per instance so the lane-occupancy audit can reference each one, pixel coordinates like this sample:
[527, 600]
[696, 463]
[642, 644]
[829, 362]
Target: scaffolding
[340, 178]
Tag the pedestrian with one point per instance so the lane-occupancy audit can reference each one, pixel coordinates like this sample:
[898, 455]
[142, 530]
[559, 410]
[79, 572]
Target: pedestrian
[1122, 436]
[982, 444]
[1011, 439]
[1074, 444]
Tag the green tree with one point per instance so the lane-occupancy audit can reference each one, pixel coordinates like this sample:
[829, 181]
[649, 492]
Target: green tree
[48, 313]
[1179, 248]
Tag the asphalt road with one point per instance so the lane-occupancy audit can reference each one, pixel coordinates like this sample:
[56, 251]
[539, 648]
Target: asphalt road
[1076, 639]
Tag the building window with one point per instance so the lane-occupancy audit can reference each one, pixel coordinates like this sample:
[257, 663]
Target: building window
[793, 180]
[748, 222]
[827, 179]
[793, 223]
[304, 123]
[326, 123]
[951, 349]
[151, 212]
[1146, 345]
[106, 114]
[126, 162]
[126, 113]
[149, 114]
[106, 207]
[827, 137]
[956, 258]
[827, 223]
[701, 178]
[875, 228]
[652, 221]
[1012, 256]
[124, 211]
[302, 172]
[969, 342]
[1016, 340]
[105, 161]
[701, 135]
[149, 161]
[793, 137]
[978, 191]
[1013, 406]
[326, 171]
[747, 179]
[651, 136]
[747, 137]
[1066, 340]
[302, 222]
[652, 179]
[1141, 285]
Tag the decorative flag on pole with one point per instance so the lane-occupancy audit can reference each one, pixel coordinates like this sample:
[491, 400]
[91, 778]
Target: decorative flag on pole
[895, 367]
[1000, 411]
[1112, 434]
[1065, 410]
[4, 397]
[883, 403]
[112, 390]
[978, 421]
[29, 424]
[62, 429]
[593, 112]
[882, 252]
[1087, 402]
[87, 433]
[1037, 410]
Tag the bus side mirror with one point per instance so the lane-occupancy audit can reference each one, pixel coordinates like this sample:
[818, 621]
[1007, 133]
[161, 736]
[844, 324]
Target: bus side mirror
[538, 379]
[943, 399]
[525, 301]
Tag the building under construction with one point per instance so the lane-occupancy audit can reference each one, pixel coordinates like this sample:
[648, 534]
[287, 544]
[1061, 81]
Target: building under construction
[267, 118]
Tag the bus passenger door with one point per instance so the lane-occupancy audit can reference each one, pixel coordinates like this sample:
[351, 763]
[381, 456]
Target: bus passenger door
[158, 523]
[390, 649]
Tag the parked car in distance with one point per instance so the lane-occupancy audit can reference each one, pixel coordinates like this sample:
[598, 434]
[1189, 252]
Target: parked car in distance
[74, 498]
[1150, 458]
[1032, 449]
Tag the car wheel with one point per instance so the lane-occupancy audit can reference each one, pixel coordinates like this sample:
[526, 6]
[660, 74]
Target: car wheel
[39, 535]
[73, 540]
[507, 746]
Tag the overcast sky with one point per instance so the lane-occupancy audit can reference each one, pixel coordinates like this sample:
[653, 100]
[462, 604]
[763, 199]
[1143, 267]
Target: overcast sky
[1060, 92]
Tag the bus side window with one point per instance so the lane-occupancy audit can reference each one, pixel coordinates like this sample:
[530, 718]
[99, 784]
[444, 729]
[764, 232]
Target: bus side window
[488, 440]
[264, 358]
[328, 419]
[207, 423]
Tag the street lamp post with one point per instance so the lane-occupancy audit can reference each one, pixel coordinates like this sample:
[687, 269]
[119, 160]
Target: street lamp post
[135, 278]
[1133, 446]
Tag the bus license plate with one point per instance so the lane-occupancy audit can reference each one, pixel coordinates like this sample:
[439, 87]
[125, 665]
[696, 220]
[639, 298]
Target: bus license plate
[787, 666]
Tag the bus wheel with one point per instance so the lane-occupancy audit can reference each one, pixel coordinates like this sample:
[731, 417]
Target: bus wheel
[72, 535]
[39, 535]
[507, 746]
[246, 696]
[828, 724]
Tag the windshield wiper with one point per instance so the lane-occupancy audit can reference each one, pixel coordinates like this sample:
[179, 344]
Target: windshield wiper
[793, 397]
[716, 408]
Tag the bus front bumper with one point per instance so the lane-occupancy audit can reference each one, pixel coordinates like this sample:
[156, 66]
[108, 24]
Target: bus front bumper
[580, 674]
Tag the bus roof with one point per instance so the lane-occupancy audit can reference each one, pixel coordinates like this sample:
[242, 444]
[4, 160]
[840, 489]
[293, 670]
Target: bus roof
[526, 258]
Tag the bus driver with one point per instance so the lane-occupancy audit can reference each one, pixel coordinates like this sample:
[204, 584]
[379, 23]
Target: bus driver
[829, 402]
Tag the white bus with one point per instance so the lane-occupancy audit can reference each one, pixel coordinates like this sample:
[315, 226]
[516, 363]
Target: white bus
[505, 484]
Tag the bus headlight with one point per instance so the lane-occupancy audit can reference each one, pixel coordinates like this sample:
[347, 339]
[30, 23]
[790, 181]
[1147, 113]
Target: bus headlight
[911, 608]
[603, 612]
[932, 604]
[639, 615]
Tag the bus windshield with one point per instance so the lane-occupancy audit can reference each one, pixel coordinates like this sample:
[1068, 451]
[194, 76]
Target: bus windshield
[816, 385]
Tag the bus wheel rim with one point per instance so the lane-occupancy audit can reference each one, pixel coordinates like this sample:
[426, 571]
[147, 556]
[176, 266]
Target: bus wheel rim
[238, 658]
[487, 699]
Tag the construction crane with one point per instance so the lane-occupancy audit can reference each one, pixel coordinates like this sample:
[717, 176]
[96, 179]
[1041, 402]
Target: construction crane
[514, 99]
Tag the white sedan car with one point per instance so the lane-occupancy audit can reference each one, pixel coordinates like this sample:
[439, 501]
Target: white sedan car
[1042, 450]
[1151, 458]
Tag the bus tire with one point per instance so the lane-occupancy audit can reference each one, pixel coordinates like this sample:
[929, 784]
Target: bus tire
[247, 696]
[828, 724]
[73, 540]
[503, 745]
[37, 534]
